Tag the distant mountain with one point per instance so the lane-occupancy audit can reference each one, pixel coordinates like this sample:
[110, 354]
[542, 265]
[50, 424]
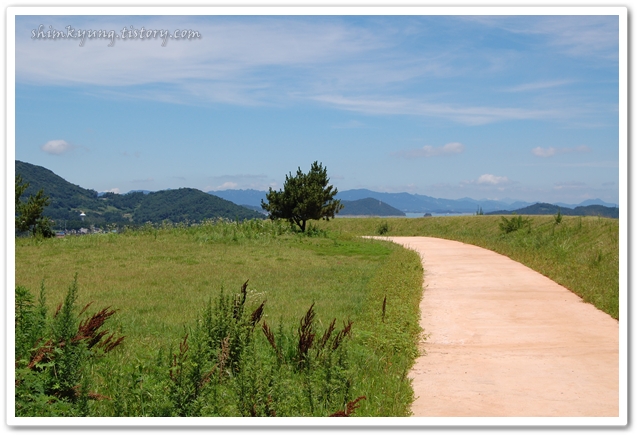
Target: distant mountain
[427, 204]
[402, 201]
[597, 210]
[241, 197]
[69, 200]
[586, 203]
[368, 207]
[551, 209]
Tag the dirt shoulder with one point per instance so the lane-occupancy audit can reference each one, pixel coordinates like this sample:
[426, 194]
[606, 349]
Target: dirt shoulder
[507, 341]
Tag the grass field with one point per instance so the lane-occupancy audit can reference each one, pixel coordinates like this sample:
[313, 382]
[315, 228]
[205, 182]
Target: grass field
[580, 253]
[166, 285]
[161, 280]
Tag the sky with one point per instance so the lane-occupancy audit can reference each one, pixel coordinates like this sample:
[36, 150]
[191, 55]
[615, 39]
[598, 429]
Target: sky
[488, 107]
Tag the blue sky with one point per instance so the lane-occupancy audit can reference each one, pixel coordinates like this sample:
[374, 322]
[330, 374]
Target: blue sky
[497, 107]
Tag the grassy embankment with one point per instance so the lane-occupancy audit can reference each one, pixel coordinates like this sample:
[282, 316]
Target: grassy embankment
[580, 253]
[161, 280]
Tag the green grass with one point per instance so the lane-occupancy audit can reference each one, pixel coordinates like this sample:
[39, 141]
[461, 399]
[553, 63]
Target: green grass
[580, 253]
[160, 280]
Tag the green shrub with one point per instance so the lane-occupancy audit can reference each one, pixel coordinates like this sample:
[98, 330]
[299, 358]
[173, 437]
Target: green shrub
[383, 228]
[558, 218]
[514, 224]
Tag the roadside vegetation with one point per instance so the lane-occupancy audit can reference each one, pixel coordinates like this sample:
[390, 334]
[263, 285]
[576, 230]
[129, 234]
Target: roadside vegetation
[215, 319]
[580, 253]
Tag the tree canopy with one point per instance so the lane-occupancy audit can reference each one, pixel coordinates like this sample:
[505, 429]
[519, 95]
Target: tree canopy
[29, 214]
[304, 197]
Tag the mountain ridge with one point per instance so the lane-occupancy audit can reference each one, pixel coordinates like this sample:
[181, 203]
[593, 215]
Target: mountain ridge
[542, 208]
[368, 207]
[405, 201]
[68, 200]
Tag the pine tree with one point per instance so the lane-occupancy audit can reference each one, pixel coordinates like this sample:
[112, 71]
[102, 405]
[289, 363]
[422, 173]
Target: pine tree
[29, 215]
[304, 197]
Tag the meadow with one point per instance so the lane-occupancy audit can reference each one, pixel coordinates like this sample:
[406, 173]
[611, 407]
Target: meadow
[253, 318]
[177, 287]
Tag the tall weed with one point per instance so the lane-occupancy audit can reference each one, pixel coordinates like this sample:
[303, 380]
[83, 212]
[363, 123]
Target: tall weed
[53, 355]
[236, 343]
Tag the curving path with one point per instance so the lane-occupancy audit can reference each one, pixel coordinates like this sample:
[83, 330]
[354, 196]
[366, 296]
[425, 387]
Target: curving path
[507, 341]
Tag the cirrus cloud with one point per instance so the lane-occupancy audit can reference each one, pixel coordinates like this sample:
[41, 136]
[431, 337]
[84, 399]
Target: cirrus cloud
[56, 147]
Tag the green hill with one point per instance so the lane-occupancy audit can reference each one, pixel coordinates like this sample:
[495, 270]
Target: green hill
[188, 204]
[69, 200]
[369, 207]
[550, 209]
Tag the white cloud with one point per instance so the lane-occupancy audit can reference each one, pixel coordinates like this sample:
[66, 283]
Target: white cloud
[363, 67]
[227, 186]
[487, 178]
[236, 182]
[114, 190]
[551, 151]
[56, 147]
[230, 48]
[430, 151]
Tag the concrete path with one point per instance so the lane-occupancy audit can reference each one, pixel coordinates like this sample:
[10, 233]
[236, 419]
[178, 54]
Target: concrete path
[507, 341]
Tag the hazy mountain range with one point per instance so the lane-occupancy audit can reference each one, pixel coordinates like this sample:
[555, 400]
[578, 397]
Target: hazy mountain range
[581, 210]
[407, 202]
[368, 207]
[140, 206]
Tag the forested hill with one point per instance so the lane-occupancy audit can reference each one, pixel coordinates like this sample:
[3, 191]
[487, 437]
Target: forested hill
[188, 204]
[62, 193]
[69, 200]
[550, 209]
[368, 207]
